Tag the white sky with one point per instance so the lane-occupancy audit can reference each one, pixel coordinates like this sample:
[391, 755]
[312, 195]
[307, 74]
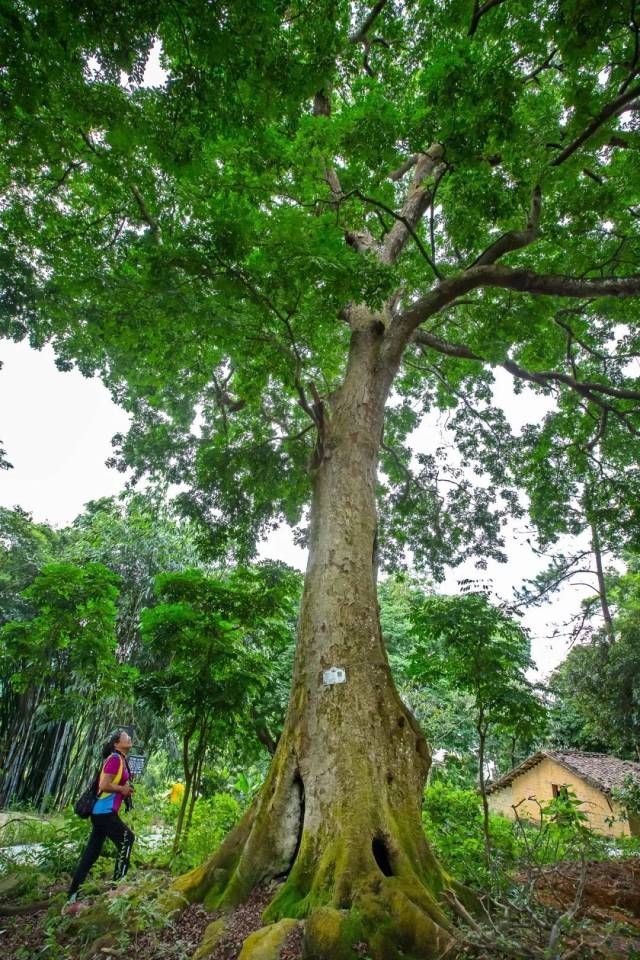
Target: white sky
[57, 427]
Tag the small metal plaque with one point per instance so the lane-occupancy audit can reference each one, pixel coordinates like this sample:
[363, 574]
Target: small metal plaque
[136, 765]
[333, 675]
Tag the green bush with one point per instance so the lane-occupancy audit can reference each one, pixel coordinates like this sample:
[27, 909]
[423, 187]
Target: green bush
[21, 827]
[561, 833]
[452, 820]
[213, 817]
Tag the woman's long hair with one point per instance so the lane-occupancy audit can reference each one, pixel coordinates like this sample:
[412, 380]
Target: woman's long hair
[108, 747]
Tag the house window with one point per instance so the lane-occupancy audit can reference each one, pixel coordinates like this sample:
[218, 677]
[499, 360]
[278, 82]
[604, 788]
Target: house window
[559, 790]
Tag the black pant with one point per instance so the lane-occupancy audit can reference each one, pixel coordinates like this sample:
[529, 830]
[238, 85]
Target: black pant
[105, 825]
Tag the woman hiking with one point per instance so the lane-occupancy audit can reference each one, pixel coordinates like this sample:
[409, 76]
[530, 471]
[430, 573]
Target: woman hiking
[113, 790]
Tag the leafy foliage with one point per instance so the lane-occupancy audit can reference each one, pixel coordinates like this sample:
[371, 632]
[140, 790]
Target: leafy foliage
[216, 638]
[70, 643]
[453, 822]
[475, 647]
[595, 691]
[207, 632]
[205, 196]
[25, 548]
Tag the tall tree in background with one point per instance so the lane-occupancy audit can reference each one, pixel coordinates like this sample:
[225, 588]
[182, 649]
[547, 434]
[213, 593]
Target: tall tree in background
[57, 665]
[202, 630]
[25, 547]
[596, 690]
[136, 537]
[477, 648]
[320, 204]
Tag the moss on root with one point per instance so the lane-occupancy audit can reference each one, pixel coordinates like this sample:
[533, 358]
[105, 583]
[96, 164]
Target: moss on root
[347, 899]
[266, 943]
[331, 933]
[392, 926]
[209, 882]
[395, 900]
[395, 927]
[309, 885]
[210, 941]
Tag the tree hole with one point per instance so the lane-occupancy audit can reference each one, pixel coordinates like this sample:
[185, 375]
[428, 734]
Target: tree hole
[292, 823]
[381, 856]
[298, 787]
[401, 722]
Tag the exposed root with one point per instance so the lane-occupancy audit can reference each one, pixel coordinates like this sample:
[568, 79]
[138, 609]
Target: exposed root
[267, 943]
[209, 881]
[16, 909]
[261, 846]
[390, 922]
[212, 936]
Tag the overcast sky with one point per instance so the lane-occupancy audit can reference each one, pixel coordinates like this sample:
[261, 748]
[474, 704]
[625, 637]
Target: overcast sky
[57, 428]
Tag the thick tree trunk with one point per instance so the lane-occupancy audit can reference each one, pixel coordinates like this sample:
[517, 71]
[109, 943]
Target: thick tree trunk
[340, 813]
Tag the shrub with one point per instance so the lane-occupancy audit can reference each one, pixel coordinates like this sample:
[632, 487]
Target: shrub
[213, 817]
[452, 820]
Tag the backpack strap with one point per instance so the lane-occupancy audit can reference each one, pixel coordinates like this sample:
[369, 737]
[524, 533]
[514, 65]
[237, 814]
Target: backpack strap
[118, 777]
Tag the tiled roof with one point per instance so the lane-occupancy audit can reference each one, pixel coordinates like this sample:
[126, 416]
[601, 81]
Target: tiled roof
[598, 769]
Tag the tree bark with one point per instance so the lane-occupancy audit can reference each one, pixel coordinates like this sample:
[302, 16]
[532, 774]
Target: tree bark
[188, 777]
[340, 812]
[482, 739]
[602, 586]
[197, 779]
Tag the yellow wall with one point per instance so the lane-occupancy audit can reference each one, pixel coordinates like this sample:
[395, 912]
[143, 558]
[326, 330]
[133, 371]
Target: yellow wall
[537, 782]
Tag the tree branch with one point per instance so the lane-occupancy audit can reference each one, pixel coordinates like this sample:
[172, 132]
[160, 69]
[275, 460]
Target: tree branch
[361, 33]
[586, 388]
[146, 216]
[363, 241]
[573, 337]
[545, 65]
[322, 108]
[520, 279]
[515, 239]
[611, 109]
[479, 10]
[60, 181]
[400, 171]
[418, 199]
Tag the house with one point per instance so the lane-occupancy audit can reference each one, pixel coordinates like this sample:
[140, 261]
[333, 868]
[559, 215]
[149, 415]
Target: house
[591, 776]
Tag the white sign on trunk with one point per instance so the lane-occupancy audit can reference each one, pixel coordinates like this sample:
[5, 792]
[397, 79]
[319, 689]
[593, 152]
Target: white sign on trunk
[334, 675]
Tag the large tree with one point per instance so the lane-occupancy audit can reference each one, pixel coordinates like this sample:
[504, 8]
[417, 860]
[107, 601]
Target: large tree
[327, 218]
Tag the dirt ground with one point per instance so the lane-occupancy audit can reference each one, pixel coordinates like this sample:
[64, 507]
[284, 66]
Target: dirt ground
[610, 905]
[612, 888]
[610, 915]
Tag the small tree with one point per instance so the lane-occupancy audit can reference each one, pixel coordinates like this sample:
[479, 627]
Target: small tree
[61, 658]
[441, 709]
[478, 648]
[205, 630]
